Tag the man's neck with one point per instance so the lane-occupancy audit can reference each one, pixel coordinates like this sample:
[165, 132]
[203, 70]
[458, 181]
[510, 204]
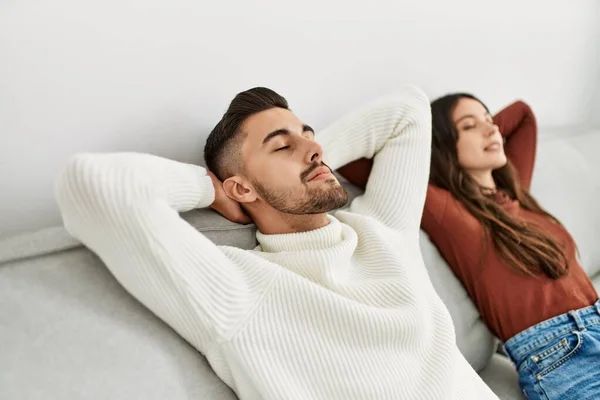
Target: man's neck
[279, 223]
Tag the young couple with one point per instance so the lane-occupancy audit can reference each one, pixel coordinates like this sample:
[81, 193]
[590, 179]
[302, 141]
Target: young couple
[340, 306]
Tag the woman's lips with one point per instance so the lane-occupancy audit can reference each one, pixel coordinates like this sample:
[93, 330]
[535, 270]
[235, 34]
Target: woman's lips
[493, 147]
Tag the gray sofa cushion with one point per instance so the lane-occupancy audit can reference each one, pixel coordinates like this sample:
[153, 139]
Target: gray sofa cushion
[500, 375]
[68, 330]
[220, 230]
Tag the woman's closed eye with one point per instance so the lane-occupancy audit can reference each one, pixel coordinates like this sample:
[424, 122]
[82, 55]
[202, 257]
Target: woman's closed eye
[282, 148]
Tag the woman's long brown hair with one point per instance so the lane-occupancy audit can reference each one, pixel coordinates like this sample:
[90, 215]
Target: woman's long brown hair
[523, 247]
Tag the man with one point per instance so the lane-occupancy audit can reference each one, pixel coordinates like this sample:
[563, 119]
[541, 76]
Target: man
[326, 307]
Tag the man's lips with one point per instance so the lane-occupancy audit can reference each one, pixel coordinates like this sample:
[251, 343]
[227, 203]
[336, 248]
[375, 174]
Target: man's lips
[320, 173]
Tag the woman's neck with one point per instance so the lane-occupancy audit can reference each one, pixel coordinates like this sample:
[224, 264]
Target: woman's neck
[484, 179]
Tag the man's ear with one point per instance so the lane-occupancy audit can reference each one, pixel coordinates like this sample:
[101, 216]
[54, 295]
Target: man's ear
[237, 189]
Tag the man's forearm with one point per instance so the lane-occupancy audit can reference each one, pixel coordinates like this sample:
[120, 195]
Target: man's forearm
[392, 142]
[123, 208]
[365, 132]
[122, 178]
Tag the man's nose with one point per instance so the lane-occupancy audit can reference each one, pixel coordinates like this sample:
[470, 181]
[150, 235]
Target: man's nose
[314, 152]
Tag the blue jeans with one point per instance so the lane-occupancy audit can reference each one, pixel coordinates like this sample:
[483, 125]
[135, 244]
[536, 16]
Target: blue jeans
[559, 359]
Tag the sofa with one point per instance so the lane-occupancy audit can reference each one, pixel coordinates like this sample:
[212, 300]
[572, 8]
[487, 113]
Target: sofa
[68, 330]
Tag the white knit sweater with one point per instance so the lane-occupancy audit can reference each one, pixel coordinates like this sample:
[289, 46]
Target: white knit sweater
[344, 312]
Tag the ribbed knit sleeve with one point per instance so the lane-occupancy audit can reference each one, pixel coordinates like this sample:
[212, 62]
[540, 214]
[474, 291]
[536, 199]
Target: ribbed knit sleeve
[125, 207]
[396, 132]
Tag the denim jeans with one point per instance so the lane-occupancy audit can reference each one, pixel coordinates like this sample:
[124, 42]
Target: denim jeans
[559, 359]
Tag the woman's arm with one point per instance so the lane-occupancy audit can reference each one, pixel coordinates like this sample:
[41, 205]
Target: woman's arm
[357, 172]
[518, 125]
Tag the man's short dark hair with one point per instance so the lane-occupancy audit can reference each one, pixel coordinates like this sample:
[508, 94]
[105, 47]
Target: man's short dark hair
[222, 152]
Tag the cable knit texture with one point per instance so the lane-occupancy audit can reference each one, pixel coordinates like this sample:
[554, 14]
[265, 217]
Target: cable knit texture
[344, 312]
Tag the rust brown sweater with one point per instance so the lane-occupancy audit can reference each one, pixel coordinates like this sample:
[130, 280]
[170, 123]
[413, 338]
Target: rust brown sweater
[508, 301]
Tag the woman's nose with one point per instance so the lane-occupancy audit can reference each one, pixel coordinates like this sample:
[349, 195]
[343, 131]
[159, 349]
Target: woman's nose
[491, 128]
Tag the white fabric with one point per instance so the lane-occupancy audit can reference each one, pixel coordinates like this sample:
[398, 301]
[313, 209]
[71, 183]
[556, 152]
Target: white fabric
[343, 312]
[473, 337]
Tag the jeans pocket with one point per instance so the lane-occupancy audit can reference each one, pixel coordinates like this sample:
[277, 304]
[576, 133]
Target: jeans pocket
[550, 357]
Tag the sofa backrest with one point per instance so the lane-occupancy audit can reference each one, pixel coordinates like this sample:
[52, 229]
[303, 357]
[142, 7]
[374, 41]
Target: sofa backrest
[566, 182]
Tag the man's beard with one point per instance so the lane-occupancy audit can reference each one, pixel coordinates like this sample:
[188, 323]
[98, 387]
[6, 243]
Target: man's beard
[314, 201]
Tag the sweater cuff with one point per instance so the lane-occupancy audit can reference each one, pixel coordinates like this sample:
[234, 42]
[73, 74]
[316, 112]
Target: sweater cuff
[190, 188]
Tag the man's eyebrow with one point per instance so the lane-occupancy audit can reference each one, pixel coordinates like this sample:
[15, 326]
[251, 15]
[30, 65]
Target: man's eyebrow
[274, 134]
[278, 132]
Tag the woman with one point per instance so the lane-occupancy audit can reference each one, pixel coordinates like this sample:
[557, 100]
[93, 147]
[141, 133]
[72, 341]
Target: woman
[518, 263]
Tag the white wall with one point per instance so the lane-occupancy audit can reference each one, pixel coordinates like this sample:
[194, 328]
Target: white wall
[155, 76]
[594, 107]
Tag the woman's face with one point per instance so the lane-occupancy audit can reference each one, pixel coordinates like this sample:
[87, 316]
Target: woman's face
[480, 146]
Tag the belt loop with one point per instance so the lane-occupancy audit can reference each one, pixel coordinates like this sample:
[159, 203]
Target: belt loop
[597, 306]
[578, 321]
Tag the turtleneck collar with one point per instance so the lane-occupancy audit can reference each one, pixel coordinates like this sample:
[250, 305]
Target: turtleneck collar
[321, 238]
